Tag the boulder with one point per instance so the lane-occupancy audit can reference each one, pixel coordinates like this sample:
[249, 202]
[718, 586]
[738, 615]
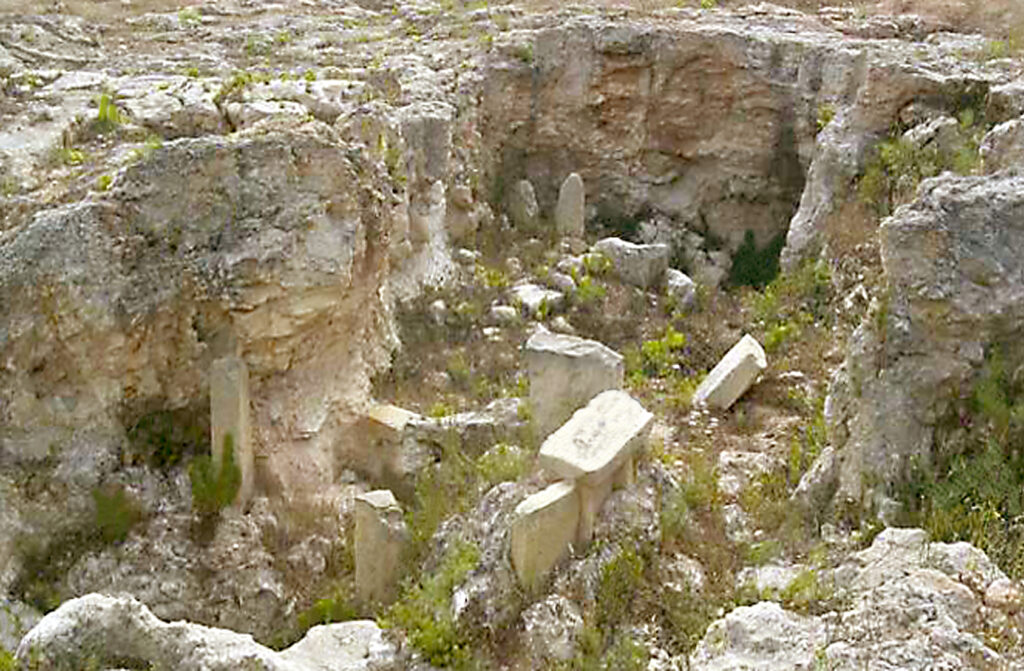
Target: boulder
[107, 631]
[565, 373]
[569, 212]
[680, 289]
[762, 637]
[551, 628]
[535, 300]
[380, 536]
[733, 375]
[1003, 146]
[643, 266]
[543, 531]
[597, 448]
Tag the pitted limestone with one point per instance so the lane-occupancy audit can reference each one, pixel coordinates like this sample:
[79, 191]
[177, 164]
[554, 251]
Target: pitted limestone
[733, 375]
[565, 373]
[569, 212]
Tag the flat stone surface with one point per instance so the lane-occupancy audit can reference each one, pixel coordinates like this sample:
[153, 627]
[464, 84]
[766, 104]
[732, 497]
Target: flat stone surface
[382, 499]
[733, 375]
[542, 531]
[391, 416]
[598, 439]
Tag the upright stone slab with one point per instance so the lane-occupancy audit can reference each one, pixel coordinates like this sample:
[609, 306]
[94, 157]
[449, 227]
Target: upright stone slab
[522, 206]
[569, 212]
[733, 375]
[596, 448]
[565, 373]
[229, 415]
[544, 526]
[380, 536]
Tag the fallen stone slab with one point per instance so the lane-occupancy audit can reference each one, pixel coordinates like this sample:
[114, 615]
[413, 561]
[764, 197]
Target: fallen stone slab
[542, 531]
[100, 631]
[640, 265]
[565, 373]
[596, 448]
[733, 375]
[380, 536]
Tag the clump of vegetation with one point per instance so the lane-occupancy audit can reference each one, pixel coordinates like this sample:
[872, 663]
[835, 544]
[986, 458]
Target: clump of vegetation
[164, 438]
[213, 488]
[424, 612]
[793, 302]
[7, 660]
[108, 117]
[116, 513]
[826, 114]
[898, 165]
[974, 489]
[755, 267]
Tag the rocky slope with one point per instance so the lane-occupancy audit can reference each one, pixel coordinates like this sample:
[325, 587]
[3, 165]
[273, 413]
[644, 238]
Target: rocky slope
[286, 184]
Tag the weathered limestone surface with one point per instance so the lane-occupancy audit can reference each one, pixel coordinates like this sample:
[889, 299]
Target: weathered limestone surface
[380, 535]
[596, 448]
[680, 288]
[570, 209]
[542, 531]
[378, 447]
[522, 206]
[641, 265]
[954, 287]
[108, 630]
[565, 373]
[733, 375]
[229, 416]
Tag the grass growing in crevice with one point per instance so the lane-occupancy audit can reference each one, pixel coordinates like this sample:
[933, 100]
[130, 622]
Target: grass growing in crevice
[973, 490]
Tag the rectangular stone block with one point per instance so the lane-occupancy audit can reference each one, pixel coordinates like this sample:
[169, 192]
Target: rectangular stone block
[229, 415]
[543, 528]
[565, 373]
[596, 448]
[733, 375]
[380, 537]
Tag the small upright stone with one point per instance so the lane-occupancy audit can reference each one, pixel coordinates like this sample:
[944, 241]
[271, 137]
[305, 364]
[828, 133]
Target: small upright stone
[380, 536]
[543, 528]
[733, 375]
[229, 416]
[522, 206]
[565, 373]
[596, 448]
[569, 212]
[680, 288]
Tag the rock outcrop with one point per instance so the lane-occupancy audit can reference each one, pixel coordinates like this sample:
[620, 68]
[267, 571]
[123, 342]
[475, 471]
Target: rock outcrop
[954, 288]
[108, 631]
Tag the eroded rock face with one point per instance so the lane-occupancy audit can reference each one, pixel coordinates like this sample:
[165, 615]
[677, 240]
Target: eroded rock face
[954, 287]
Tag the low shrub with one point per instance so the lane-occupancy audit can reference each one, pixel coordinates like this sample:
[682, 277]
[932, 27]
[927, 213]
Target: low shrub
[214, 489]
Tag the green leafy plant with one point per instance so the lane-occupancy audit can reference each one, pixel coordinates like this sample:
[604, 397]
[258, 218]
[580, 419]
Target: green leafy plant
[108, 116]
[189, 16]
[756, 267]
[103, 182]
[660, 355]
[826, 113]
[214, 489]
[424, 610]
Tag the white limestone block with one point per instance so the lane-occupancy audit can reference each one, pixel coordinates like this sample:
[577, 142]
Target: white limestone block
[542, 530]
[229, 415]
[569, 212]
[733, 375]
[380, 535]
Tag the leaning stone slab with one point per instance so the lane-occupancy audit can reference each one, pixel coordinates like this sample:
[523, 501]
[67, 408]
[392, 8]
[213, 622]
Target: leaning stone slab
[543, 528]
[733, 375]
[565, 373]
[596, 448]
[229, 416]
[380, 535]
[640, 265]
[569, 212]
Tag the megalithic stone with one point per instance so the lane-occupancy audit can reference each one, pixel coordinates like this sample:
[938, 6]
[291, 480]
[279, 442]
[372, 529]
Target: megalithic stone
[380, 536]
[733, 375]
[543, 528]
[229, 415]
[569, 212]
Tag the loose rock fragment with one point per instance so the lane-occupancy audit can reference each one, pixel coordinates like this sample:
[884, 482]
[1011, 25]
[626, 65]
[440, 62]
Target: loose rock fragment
[640, 265]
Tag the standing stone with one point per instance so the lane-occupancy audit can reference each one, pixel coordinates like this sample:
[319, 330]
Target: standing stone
[543, 528]
[380, 536]
[680, 288]
[229, 415]
[569, 212]
[522, 206]
[565, 373]
[596, 448]
[733, 375]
